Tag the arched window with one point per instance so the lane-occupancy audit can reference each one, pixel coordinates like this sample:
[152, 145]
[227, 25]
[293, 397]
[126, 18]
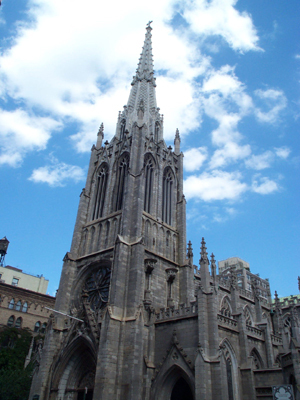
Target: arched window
[122, 129]
[11, 321]
[248, 316]
[25, 307]
[11, 304]
[37, 326]
[18, 305]
[149, 168]
[226, 308]
[18, 323]
[229, 378]
[121, 180]
[43, 328]
[101, 185]
[167, 196]
[258, 364]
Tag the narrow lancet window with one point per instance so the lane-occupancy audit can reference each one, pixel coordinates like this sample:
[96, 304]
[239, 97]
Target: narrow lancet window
[149, 167]
[167, 196]
[101, 185]
[121, 181]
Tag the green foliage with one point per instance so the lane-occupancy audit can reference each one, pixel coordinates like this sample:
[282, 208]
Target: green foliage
[14, 379]
[15, 385]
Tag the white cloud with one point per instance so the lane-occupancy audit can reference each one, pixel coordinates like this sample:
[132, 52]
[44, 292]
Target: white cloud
[264, 185]
[22, 132]
[275, 100]
[194, 158]
[57, 174]
[282, 152]
[261, 161]
[81, 70]
[217, 185]
[230, 152]
[219, 17]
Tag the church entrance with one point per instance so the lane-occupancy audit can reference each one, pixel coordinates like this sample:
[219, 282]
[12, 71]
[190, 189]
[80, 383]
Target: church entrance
[181, 391]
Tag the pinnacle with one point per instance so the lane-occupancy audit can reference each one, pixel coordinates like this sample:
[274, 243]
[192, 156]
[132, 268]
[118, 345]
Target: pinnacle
[101, 130]
[203, 253]
[190, 249]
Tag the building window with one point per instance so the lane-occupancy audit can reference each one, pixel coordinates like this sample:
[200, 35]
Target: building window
[15, 282]
[101, 185]
[25, 307]
[18, 305]
[11, 304]
[229, 379]
[121, 181]
[11, 321]
[37, 326]
[167, 196]
[18, 323]
[149, 167]
[44, 326]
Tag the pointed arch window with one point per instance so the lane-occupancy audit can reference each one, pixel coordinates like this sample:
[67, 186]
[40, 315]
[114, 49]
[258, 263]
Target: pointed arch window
[18, 305]
[149, 170]
[101, 185]
[18, 323]
[229, 378]
[248, 317]
[25, 307]
[121, 180]
[37, 326]
[258, 364]
[167, 196]
[11, 321]
[11, 304]
[44, 326]
[226, 308]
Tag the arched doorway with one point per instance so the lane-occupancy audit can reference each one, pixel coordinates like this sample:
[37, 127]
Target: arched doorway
[181, 391]
[74, 378]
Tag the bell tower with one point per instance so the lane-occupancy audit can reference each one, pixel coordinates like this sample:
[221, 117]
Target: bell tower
[127, 257]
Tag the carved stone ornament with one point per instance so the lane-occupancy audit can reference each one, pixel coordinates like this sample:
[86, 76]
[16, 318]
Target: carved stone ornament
[97, 288]
[171, 274]
[149, 265]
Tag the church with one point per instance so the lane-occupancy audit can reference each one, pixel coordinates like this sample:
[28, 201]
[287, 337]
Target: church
[135, 318]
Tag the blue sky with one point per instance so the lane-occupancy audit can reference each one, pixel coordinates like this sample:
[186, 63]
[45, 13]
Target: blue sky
[228, 77]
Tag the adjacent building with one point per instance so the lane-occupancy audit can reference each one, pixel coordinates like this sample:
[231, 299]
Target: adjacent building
[23, 300]
[135, 317]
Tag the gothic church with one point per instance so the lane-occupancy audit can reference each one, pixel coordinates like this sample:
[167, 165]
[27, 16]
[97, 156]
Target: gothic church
[135, 319]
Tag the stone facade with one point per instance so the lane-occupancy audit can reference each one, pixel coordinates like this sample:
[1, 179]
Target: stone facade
[137, 319]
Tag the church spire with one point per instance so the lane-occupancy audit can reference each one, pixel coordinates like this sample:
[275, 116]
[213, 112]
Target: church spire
[143, 83]
[145, 64]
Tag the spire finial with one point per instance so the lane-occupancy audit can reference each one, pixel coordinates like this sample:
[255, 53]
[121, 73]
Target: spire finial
[100, 136]
[203, 253]
[177, 142]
